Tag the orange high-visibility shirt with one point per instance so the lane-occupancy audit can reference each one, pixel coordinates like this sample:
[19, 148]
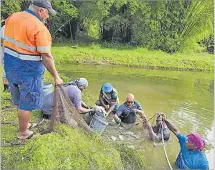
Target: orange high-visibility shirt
[26, 37]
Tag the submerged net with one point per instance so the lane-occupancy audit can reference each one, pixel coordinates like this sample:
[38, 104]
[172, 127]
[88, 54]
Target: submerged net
[65, 112]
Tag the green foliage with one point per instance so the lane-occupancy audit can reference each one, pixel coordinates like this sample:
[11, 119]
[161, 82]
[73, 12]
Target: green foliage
[208, 44]
[9, 7]
[168, 25]
[90, 16]
[69, 12]
[199, 24]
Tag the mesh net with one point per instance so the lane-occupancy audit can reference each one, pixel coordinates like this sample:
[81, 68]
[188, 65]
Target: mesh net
[65, 112]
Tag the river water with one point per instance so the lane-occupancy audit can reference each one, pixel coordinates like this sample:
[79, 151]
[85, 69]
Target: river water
[186, 98]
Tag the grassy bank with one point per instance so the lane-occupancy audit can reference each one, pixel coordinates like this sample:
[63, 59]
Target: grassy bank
[132, 57]
[65, 148]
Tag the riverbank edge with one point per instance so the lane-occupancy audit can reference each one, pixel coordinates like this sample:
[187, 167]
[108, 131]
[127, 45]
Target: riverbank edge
[135, 58]
[28, 154]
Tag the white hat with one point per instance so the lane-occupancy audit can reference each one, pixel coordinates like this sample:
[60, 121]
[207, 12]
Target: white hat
[81, 82]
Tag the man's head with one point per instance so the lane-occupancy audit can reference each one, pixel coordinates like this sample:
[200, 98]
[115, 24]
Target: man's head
[107, 88]
[195, 142]
[81, 83]
[159, 120]
[130, 100]
[42, 8]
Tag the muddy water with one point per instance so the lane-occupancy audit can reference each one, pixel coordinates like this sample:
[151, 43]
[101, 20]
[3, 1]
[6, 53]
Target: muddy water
[185, 97]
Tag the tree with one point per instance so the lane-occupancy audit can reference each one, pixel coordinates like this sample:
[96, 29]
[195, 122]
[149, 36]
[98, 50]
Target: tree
[199, 24]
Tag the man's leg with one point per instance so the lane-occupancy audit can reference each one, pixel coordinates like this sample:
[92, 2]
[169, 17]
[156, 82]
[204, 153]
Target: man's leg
[5, 82]
[24, 118]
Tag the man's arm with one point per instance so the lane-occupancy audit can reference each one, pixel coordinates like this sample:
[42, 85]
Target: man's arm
[118, 113]
[102, 102]
[111, 108]
[147, 125]
[83, 110]
[48, 61]
[140, 112]
[171, 127]
[84, 105]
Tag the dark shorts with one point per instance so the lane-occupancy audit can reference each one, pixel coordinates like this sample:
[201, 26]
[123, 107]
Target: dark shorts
[27, 94]
[166, 135]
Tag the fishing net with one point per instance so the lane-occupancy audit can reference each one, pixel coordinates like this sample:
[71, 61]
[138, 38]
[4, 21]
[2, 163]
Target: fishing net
[65, 112]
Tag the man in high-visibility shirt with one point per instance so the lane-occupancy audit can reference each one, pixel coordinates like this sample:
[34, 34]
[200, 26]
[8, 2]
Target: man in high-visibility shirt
[27, 47]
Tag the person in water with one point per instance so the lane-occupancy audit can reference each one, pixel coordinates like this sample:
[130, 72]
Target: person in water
[128, 110]
[160, 128]
[158, 131]
[191, 155]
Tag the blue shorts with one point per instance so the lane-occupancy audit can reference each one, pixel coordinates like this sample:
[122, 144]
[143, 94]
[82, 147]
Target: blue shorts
[27, 94]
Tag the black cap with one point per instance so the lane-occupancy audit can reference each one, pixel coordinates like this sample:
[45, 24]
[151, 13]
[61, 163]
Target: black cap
[44, 4]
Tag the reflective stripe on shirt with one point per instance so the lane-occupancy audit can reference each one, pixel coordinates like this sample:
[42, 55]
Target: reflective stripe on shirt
[19, 44]
[22, 56]
[43, 48]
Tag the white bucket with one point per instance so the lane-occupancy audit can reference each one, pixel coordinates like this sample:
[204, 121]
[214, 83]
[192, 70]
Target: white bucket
[98, 123]
[47, 88]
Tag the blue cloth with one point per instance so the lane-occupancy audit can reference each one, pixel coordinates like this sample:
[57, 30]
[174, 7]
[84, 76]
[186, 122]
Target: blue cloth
[124, 109]
[27, 94]
[189, 159]
[33, 13]
[25, 81]
[74, 94]
[127, 114]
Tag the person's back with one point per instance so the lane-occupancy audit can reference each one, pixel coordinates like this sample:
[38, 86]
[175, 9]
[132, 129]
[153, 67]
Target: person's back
[190, 159]
[24, 27]
[75, 95]
[73, 92]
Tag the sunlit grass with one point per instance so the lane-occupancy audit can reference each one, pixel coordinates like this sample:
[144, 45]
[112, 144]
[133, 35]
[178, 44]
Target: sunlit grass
[132, 57]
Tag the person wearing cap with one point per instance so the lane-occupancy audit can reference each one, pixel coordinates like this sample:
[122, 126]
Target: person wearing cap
[108, 98]
[27, 48]
[159, 131]
[127, 111]
[160, 128]
[74, 91]
[191, 155]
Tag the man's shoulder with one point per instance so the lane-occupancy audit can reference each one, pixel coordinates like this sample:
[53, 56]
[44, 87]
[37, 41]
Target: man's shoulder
[137, 103]
[115, 91]
[181, 137]
[73, 88]
[123, 106]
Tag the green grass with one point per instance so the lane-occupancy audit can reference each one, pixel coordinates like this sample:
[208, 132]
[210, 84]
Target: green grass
[132, 57]
[65, 148]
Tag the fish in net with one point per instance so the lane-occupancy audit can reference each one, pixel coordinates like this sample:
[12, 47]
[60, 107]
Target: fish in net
[65, 112]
